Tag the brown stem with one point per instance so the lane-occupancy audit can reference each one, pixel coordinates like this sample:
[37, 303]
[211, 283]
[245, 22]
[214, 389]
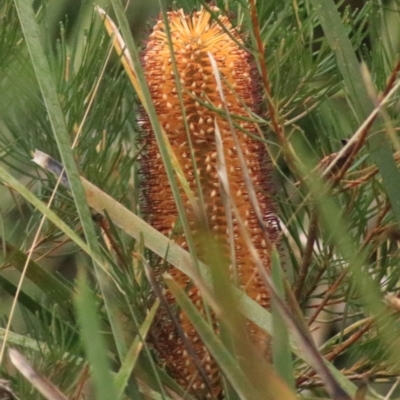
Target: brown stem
[372, 233]
[338, 350]
[109, 238]
[392, 79]
[264, 71]
[347, 343]
[360, 142]
[356, 148]
[305, 264]
[317, 280]
[329, 292]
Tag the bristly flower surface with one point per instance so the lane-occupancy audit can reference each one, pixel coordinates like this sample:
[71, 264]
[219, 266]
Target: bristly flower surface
[194, 36]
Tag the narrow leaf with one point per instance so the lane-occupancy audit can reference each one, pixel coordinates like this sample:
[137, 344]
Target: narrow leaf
[93, 341]
[47, 282]
[47, 389]
[124, 373]
[281, 351]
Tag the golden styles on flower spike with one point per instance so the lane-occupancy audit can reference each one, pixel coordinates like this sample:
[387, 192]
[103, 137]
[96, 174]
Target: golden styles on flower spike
[195, 37]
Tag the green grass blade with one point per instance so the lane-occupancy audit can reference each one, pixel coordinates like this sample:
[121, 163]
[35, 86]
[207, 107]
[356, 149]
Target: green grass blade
[124, 373]
[281, 349]
[48, 283]
[94, 344]
[24, 341]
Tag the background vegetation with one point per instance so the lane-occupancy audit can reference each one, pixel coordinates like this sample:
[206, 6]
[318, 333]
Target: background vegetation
[76, 299]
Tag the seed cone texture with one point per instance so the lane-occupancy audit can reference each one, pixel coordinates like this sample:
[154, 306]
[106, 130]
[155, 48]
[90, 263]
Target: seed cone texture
[193, 36]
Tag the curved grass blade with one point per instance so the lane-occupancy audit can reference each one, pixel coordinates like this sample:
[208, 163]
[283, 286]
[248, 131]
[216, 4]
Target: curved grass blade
[172, 168]
[24, 341]
[127, 62]
[46, 388]
[55, 114]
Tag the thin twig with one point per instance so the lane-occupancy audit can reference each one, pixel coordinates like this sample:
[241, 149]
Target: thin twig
[392, 79]
[338, 350]
[379, 219]
[359, 138]
[347, 343]
[329, 292]
[104, 225]
[305, 264]
[264, 72]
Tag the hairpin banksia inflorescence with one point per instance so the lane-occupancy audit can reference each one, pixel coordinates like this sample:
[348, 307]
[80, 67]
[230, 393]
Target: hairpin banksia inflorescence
[194, 37]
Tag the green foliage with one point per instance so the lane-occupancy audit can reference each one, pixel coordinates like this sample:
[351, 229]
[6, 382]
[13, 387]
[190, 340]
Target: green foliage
[61, 83]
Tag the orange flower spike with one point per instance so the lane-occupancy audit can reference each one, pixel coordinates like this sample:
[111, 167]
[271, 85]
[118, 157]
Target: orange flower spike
[193, 37]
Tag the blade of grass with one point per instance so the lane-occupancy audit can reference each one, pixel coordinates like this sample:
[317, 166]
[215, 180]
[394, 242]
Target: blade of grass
[48, 283]
[25, 342]
[200, 206]
[130, 69]
[46, 388]
[225, 334]
[124, 373]
[281, 353]
[94, 343]
[55, 114]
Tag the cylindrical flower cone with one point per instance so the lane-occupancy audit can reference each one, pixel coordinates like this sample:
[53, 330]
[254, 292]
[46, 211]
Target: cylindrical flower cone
[194, 36]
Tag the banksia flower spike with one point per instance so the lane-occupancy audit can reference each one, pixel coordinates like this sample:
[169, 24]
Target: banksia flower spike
[194, 37]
